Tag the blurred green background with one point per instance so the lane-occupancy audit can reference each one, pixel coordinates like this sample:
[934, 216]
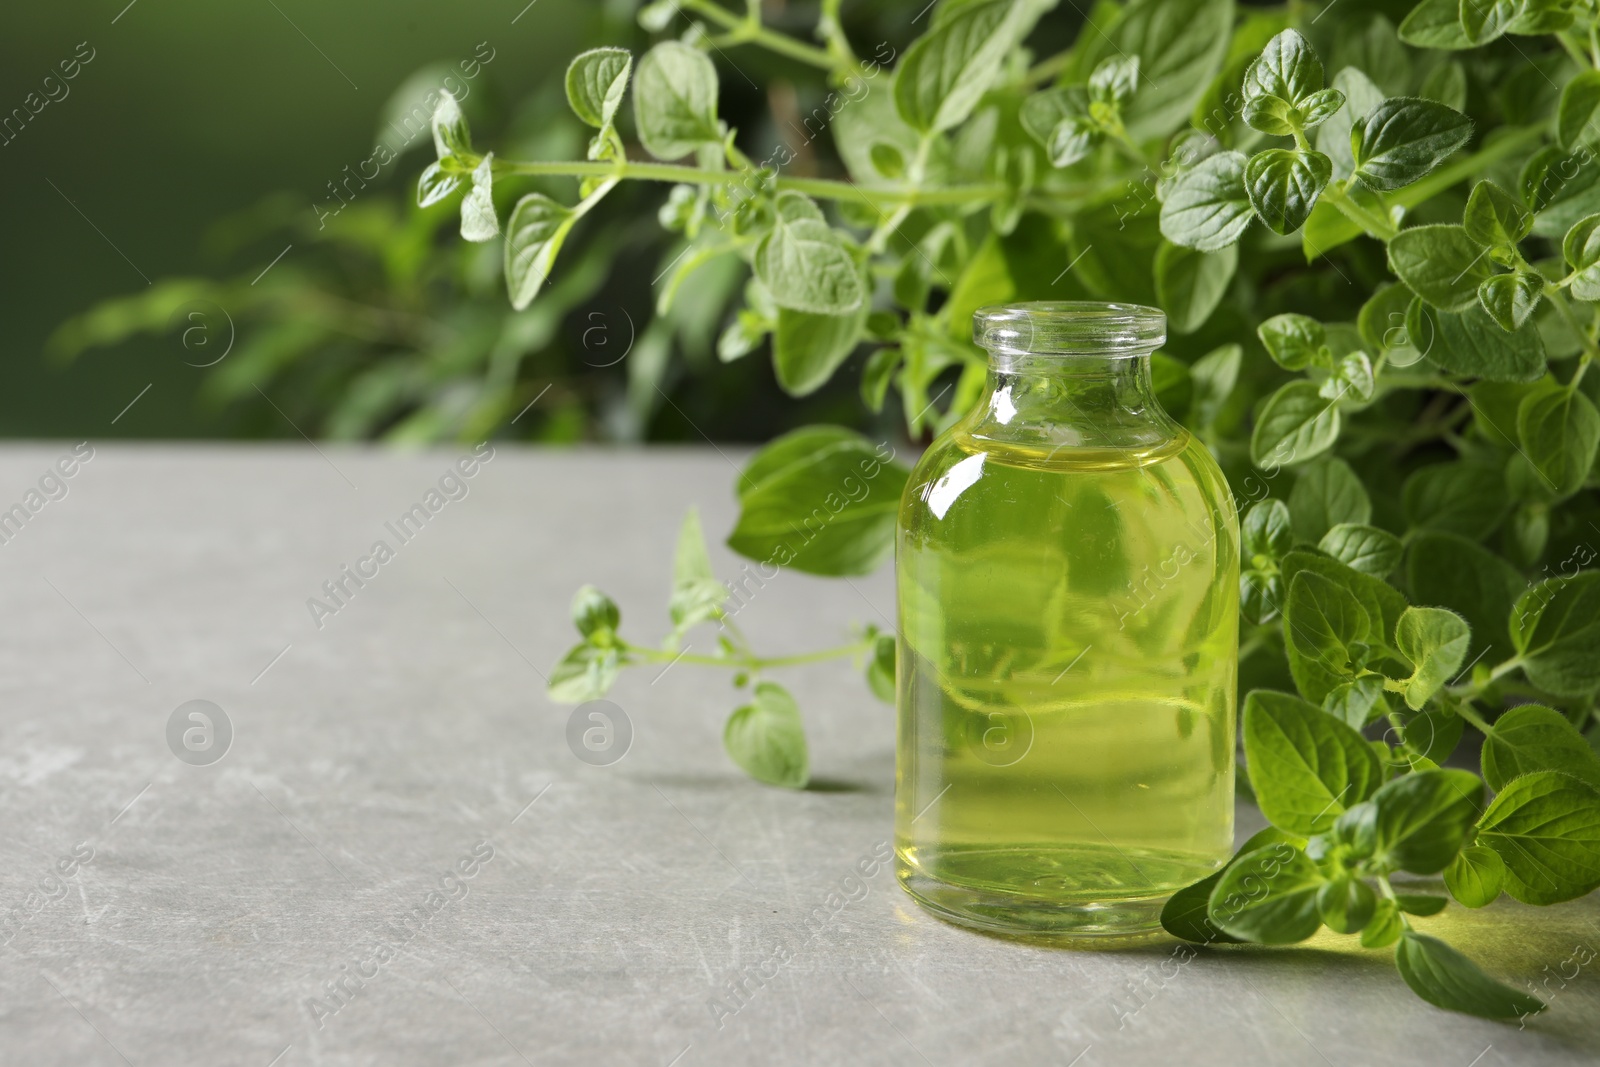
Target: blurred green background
[191, 150]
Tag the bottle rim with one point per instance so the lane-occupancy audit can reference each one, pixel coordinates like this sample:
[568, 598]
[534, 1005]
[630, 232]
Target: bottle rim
[1070, 328]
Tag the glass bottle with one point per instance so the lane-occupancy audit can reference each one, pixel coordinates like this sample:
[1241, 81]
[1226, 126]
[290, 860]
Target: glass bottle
[1068, 575]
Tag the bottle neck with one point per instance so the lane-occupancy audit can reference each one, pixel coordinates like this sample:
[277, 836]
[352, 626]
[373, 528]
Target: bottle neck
[1051, 403]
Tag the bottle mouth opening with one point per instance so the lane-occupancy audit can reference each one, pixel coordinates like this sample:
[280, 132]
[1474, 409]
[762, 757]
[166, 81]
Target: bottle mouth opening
[1069, 328]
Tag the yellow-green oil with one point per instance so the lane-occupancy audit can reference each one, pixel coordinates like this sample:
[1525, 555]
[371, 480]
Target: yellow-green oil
[1068, 658]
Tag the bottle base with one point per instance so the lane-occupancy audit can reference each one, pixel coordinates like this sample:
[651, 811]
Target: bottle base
[1028, 895]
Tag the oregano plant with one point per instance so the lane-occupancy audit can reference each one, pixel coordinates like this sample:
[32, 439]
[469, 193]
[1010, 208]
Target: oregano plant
[1375, 230]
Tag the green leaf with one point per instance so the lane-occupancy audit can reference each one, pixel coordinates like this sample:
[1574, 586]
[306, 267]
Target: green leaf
[1453, 572]
[1445, 978]
[1357, 702]
[1074, 139]
[1214, 375]
[1190, 284]
[1581, 247]
[944, 73]
[1295, 425]
[1180, 45]
[696, 594]
[1427, 738]
[1576, 118]
[1446, 83]
[1268, 896]
[435, 184]
[1511, 298]
[1322, 621]
[1306, 766]
[1404, 138]
[450, 136]
[1484, 20]
[1442, 264]
[1363, 548]
[1546, 827]
[808, 348]
[1283, 185]
[593, 612]
[822, 500]
[1288, 68]
[1293, 341]
[1382, 324]
[1436, 24]
[675, 101]
[1423, 818]
[1325, 494]
[881, 668]
[1471, 343]
[1560, 432]
[584, 673]
[1114, 80]
[1495, 217]
[1435, 640]
[1531, 738]
[876, 376]
[1346, 904]
[1042, 112]
[1260, 595]
[767, 739]
[804, 264]
[1474, 877]
[1467, 499]
[534, 234]
[478, 219]
[1381, 601]
[1266, 530]
[1185, 913]
[1207, 207]
[597, 80]
[1333, 136]
[1555, 627]
[1385, 926]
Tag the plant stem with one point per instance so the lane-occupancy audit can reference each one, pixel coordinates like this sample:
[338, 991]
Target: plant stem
[742, 30]
[1465, 711]
[745, 662]
[821, 188]
[1559, 299]
[1374, 224]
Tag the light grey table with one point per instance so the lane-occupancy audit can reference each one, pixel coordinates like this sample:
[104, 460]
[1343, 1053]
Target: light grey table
[206, 911]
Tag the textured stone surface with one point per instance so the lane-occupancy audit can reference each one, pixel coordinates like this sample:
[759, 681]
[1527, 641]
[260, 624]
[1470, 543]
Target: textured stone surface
[372, 756]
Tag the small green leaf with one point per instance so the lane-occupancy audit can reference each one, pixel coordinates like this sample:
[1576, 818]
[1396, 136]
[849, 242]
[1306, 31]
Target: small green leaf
[1185, 913]
[1435, 640]
[1333, 136]
[696, 593]
[1423, 904]
[1404, 138]
[1495, 217]
[1385, 926]
[822, 500]
[1428, 738]
[1260, 596]
[1581, 247]
[1268, 896]
[1575, 120]
[478, 219]
[1295, 425]
[1423, 818]
[1208, 208]
[1181, 45]
[584, 673]
[597, 80]
[1266, 530]
[1484, 20]
[450, 136]
[1442, 264]
[1323, 622]
[1363, 548]
[1346, 905]
[1474, 877]
[1477, 584]
[1288, 68]
[1074, 139]
[1358, 702]
[1325, 494]
[945, 72]
[1555, 627]
[1531, 737]
[1114, 80]
[675, 101]
[1044, 110]
[593, 612]
[534, 234]
[1511, 298]
[435, 185]
[1467, 499]
[1546, 827]
[1560, 432]
[767, 739]
[804, 264]
[1306, 767]
[1293, 341]
[1436, 24]
[1473, 344]
[1283, 185]
[1445, 978]
[1190, 284]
